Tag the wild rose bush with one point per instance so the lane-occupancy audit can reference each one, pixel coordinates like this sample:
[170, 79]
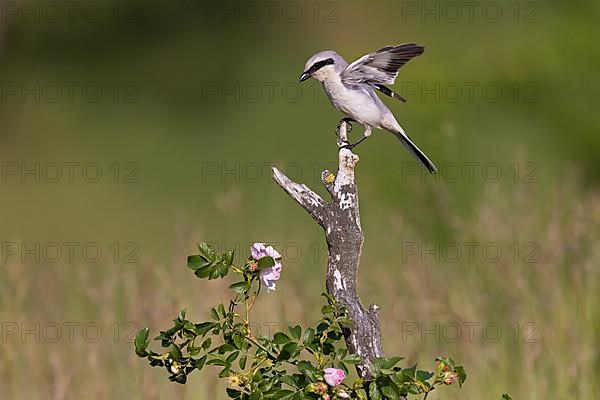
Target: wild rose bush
[298, 363]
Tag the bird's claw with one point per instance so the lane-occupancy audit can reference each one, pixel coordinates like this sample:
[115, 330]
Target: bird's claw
[347, 121]
[348, 127]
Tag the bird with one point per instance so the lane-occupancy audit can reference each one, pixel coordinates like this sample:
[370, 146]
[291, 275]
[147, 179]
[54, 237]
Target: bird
[351, 89]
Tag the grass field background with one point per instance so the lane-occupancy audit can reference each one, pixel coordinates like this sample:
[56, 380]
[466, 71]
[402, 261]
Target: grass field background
[195, 107]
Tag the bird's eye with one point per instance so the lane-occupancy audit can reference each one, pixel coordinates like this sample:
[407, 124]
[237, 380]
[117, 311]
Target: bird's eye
[320, 64]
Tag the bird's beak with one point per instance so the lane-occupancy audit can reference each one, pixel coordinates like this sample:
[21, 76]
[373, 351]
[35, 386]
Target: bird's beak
[304, 76]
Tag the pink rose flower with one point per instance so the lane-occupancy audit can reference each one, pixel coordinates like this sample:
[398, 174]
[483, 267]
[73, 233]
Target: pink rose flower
[268, 276]
[334, 376]
[259, 250]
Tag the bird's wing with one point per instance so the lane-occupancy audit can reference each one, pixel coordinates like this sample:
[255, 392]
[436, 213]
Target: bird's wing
[388, 92]
[380, 67]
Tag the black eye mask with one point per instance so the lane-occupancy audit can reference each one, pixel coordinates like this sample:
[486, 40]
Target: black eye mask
[320, 64]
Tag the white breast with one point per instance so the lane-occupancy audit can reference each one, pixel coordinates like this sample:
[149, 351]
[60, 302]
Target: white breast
[355, 103]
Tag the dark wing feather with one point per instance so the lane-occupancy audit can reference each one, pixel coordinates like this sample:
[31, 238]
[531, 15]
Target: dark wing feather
[388, 92]
[382, 66]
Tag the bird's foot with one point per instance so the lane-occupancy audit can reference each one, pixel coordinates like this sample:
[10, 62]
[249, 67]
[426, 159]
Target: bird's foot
[349, 125]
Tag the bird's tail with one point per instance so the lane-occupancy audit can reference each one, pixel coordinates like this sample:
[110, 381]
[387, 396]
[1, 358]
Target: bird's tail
[414, 150]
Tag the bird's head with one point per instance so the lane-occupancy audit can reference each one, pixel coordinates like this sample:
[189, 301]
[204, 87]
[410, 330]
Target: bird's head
[322, 66]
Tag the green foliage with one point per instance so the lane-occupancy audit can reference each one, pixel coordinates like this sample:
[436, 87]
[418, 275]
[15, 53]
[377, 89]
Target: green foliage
[290, 365]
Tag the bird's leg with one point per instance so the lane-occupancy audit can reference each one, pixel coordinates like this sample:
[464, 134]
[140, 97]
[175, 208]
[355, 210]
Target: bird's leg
[366, 135]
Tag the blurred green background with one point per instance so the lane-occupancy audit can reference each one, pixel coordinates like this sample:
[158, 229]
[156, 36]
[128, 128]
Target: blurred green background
[177, 111]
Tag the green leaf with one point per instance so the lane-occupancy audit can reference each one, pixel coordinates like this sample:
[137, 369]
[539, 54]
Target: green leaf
[195, 262]
[222, 269]
[305, 366]
[289, 351]
[256, 395]
[141, 342]
[214, 272]
[225, 348]
[240, 287]
[330, 299]
[233, 394]
[352, 359]
[282, 394]
[281, 338]
[238, 341]
[176, 352]
[374, 393]
[345, 322]
[217, 362]
[309, 335]
[266, 262]
[204, 272]
[221, 309]
[327, 309]
[203, 328]
[295, 331]
[231, 358]
[194, 351]
[207, 252]
[391, 362]
[225, 372]
[179, 378]
[213, 314]
[389, 389]
[199, 363]
[410, 372]
[243, 361]
[424, 376]
[228, 258]
[292, 380]
[462, 375]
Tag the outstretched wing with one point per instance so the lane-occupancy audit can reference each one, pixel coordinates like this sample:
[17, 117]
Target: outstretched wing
[382, 66]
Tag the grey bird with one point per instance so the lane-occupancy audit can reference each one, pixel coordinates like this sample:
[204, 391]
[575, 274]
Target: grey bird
[350, 88]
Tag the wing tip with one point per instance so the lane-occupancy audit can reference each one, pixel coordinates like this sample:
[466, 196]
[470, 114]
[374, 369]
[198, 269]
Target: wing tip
[414, 48]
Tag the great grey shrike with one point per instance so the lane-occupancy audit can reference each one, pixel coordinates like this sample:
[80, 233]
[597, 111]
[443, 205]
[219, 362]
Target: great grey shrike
[350, 89]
